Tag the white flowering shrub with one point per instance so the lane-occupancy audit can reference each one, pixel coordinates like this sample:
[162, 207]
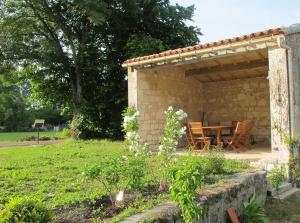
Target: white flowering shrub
[131, 127]
[173, 132]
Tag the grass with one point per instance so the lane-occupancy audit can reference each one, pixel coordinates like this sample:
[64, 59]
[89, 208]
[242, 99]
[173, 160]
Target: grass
[284, 211]
[54, 173]
[6, 137]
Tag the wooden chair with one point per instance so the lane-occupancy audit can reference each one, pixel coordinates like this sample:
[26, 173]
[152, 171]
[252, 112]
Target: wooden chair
[240, 140]
[234, 124]
[195, 136]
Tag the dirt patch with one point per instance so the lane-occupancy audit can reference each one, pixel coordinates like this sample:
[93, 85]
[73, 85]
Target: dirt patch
[42, 138]
[103, 209]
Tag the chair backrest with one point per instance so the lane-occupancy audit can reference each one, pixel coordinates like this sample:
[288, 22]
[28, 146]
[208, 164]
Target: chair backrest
[243, 131]
[248, 126]
[196, 128]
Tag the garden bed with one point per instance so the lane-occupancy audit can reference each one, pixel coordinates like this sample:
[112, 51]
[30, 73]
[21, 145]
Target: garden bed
[55, 175]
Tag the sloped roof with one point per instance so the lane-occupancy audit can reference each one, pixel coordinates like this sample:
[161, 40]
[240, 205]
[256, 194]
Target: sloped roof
[265, 33]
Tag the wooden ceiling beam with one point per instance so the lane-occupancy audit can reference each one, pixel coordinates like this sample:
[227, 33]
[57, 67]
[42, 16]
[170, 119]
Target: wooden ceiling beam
[261, 55]
[228, 68]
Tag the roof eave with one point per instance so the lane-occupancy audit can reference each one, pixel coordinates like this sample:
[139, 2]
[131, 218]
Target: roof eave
[206, 53]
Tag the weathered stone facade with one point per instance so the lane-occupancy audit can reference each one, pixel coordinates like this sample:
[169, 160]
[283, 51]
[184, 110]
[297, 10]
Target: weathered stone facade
[272, 102]
[279, 100]
[220, 101]
[215, 201]
[157, 90]
[237, 100]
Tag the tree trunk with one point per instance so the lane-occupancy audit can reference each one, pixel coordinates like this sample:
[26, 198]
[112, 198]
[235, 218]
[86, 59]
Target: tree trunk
[76, 83]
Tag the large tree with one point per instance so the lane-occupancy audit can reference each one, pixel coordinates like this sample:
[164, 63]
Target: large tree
[72, 51]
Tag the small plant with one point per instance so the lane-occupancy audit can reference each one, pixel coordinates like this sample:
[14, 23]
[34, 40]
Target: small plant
[214, 161]
[20, 210]
[172, 133]
[117, 174]
[183, 189]
[66, 132]
[253, 212]
[131, 127]
[277, 177]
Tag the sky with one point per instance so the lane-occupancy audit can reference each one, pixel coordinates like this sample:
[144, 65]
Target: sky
[221, 19]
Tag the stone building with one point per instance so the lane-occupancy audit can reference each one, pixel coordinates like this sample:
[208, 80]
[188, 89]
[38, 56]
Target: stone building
[255, 76]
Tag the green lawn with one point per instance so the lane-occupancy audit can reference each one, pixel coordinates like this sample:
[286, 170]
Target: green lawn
[16, 136]
[54, 173]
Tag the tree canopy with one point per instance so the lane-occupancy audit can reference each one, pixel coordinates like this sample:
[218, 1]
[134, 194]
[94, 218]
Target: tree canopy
[70, 51]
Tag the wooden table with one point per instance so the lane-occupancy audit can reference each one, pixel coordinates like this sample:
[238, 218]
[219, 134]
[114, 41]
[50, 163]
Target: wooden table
[218, 129]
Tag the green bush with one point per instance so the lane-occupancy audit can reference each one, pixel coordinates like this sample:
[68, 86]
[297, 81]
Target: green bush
[214, 161]
[253, 212]
[183, 189]
[119, 173]
[66, 132]
[277, 177]
[21, 210]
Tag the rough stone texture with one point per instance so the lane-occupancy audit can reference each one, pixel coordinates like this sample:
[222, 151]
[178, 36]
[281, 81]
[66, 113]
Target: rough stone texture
[214, 200]
[153, 90]
[157, 90]
[240, 100]
[293, 41]
[279, 101]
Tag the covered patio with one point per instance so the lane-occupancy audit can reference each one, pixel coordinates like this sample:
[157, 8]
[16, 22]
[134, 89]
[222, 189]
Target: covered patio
[244, 78]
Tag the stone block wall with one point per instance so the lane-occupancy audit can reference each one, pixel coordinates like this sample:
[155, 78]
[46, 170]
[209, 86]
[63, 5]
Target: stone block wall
[153, 90]
[239, 100]
[279, 101]
[157, 90]
[215, 201]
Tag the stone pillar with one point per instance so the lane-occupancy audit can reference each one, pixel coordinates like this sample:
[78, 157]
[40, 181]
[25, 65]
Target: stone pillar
[279, 102]
[132, 87]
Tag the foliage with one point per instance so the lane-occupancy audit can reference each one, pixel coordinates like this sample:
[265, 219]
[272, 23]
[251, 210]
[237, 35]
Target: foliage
[214, 161]
[291, 142]
[19, 210]
[183, 189]
[66, 132]
[172, 133]
[253, 212]
[277, 176]
[71, 51]
[119, 173]
[131, 127]
[55, 172]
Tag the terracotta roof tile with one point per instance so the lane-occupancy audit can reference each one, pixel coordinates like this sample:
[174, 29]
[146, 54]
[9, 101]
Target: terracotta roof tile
[264, 33]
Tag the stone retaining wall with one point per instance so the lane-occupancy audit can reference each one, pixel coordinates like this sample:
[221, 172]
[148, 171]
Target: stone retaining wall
[214, 200]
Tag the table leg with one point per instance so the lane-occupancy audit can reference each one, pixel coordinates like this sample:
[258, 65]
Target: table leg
[218, 136]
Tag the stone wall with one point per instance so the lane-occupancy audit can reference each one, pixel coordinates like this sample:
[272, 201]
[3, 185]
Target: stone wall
[279, 101]
[293, 41]
[153, 90]
[215, 200]
[239, 100]
[157, 90]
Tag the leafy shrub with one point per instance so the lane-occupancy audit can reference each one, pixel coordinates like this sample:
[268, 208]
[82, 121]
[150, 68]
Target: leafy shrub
[253, 212]
[277, 177]
[183, 189]
[66, 132]
[119, 173]
[20, 210]
[214, 161]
